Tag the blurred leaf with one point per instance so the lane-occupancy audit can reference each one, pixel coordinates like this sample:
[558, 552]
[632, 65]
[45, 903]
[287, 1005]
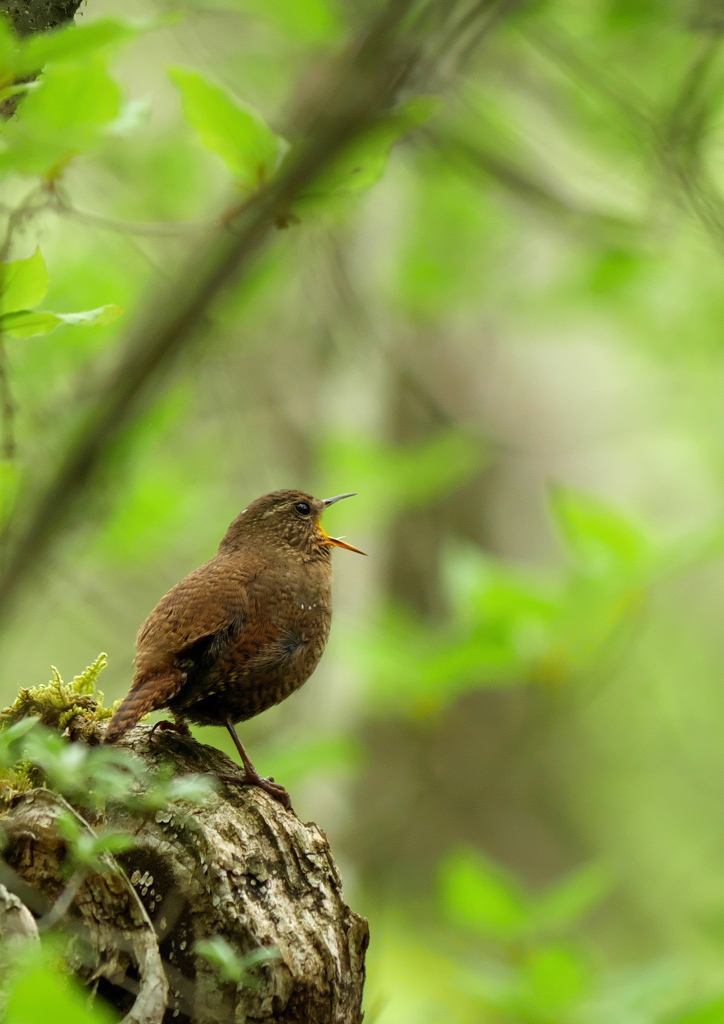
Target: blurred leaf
[41, 994]
[552, 979]
[23, 284]
[480, 896]
[232, 966]
[87, 776]
[614, 270]
[600, 539]
[73, 99]
[363, 163]
[162, 792]
[28, 324]
[102, 315]
[70, 43]
[12, 741]
[229, 128]
[132, 116]
[393, 478]
[501, 624]
[86, 848]
[63, 116]
[568, 901]
[223, 956]
[302, 21]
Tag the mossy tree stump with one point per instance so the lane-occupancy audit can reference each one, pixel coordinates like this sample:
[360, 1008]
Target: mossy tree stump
[239, 866]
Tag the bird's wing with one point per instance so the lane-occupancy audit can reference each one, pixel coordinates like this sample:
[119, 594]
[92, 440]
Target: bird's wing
[209, 602]
[194, 620]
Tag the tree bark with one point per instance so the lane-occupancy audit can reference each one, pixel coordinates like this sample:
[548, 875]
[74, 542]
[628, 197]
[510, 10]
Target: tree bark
[29, 16]
[240, 866]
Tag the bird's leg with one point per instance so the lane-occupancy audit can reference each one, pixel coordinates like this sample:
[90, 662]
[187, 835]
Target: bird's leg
[251, 776]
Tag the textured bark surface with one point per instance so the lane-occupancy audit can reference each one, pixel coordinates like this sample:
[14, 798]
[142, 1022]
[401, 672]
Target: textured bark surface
[240, 866]
[38, 15]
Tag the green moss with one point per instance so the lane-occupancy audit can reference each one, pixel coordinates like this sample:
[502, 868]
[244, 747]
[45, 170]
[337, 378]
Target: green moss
[77, 705]
[57, 703]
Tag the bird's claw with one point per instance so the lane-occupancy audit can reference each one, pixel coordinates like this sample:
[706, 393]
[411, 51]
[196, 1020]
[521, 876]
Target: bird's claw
[268, 785]
[165, 726]
[278, 792]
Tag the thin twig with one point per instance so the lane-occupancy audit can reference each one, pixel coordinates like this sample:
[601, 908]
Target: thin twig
[152, 229]
[519, 181]
[675, 143]
[63, 903]
[20, 215]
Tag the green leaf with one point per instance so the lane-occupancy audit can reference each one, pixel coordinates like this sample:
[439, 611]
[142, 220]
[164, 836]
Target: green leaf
[478, 895]
[23, 283]
[196, 789]
[64, 116]
[552, 979]
[232, 966]
[223, 956]
[396, 477]
[599, 537]
[41, 994]
[69, 44]
[229, 128]
[102, 315]
[86, 849]
[567, 902]
[308, 21]
[27, 324]
[363, 163]
[73, 98]
[133, 114]
[12, 740]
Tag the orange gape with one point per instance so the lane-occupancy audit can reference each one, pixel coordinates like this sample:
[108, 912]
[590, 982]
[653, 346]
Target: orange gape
[243, 631]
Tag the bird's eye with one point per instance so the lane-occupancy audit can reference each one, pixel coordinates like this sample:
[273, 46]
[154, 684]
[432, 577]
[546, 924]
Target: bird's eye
[302, 508]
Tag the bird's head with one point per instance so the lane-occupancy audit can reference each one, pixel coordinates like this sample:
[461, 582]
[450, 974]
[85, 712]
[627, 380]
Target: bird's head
[285, 519]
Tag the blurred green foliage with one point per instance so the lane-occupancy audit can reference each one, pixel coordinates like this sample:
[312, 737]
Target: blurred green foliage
[40, 988]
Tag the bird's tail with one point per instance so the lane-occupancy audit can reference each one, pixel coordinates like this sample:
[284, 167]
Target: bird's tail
[148, 692]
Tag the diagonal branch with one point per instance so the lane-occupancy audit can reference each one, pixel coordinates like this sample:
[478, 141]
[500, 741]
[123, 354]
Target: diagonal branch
[362, 85]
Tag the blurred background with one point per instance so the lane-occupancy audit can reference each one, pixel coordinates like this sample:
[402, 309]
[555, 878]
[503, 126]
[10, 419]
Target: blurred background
[512, 348]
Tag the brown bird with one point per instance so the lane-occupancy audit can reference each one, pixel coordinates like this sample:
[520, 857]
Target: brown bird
[245, 630]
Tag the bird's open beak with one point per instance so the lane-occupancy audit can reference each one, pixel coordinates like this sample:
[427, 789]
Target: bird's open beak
[334, 540]
[331, 501]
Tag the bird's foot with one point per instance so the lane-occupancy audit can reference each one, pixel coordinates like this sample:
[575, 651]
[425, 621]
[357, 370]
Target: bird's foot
[180, 727]
[268, 785]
